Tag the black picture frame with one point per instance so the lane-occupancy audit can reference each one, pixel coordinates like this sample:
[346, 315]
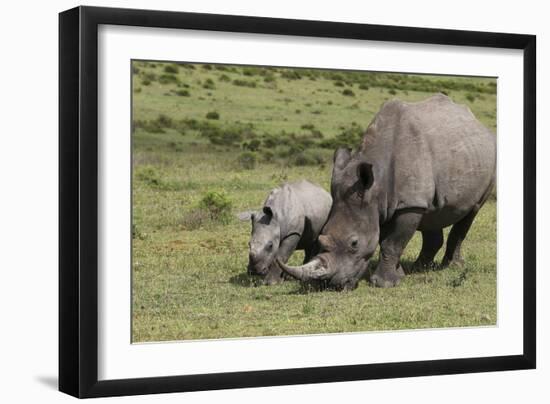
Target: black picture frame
[78, 201]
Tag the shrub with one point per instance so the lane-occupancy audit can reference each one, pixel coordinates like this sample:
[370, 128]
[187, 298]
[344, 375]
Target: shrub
[183, 93]
[270, 141]
[244, 83]
[165, 121]
[168, 79]
[212, 115]
[308, 126]
[470, 97]
[218, 206]
[350, 137]
[291, 74]
[349, 93]
[146, 82]
[150, 76]
[226, 137]
[363, 86]
[207, 67]
[306, 159]
[171, 69]
[209, 84]
[224, 77]
[247, 160]
[339, 84]
[268, 156]
[253, 145]
[392, 91]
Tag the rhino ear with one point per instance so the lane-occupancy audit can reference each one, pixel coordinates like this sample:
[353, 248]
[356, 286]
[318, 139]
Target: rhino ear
[246, 216]
[267, 210]
[342, 156]
[365, 174]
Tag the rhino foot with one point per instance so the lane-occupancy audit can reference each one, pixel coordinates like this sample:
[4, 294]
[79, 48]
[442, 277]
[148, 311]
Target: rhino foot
[387, 278]
[421, 264]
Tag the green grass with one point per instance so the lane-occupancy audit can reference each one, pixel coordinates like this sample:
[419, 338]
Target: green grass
[189, 279]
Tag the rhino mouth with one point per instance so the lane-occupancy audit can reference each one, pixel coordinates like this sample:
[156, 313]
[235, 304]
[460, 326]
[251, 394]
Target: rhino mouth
[254, 270]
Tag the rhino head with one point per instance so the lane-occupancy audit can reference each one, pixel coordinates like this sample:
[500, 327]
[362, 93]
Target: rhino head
[351, 234]
[264, 240]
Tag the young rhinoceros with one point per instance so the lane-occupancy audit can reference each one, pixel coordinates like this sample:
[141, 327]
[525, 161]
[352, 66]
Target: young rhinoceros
[292, 217]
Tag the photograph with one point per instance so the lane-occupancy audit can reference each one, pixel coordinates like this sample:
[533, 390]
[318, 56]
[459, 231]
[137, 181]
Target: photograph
[272, 201]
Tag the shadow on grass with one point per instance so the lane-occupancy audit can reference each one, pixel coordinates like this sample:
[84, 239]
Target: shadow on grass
[245, 280]
[321, 286]
[408, 267]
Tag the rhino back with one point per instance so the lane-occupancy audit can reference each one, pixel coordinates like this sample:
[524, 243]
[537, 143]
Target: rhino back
[298, 204]
[436, 155]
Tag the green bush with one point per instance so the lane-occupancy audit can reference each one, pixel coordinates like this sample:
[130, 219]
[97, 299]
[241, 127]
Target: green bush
[363, 86]
[150, 76]
[209, 84]
[470, 97]
[171, 69]
[244, 83]
[291, 74]
[168, 79]
[247, 160]
[349, 137]
[183, 93]
[212, 115]
[268, 156]
[224, 77]
[305, 159]
[253, 145]
[218, 205]
[225, 137]
[146, 82]
[165, 121]
[339, 84]
[349, 93]
[392, 91]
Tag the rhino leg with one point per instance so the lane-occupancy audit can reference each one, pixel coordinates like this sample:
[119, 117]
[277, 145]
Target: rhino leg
[393, 241]
[453, 255]
[431, 243]
[286, 248]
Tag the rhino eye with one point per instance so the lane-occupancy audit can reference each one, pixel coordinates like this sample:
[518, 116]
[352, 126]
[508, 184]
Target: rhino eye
[269, 246]
[354, 243]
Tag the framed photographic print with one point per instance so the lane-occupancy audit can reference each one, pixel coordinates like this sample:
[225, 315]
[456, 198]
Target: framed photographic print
[250, 201]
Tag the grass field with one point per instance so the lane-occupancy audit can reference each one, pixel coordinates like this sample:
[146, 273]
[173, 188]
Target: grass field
[210, 141]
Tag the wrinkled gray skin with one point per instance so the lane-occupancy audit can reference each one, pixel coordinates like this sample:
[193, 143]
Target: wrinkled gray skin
[422, 166]
[291, 219]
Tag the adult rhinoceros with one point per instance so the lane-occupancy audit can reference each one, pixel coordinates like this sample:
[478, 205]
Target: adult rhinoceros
[291, 219]
[421, 166]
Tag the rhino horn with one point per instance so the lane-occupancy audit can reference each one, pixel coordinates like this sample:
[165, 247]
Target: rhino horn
[313, 270]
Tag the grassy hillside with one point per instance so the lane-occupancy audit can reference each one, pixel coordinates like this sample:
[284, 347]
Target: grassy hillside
[212, 140]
